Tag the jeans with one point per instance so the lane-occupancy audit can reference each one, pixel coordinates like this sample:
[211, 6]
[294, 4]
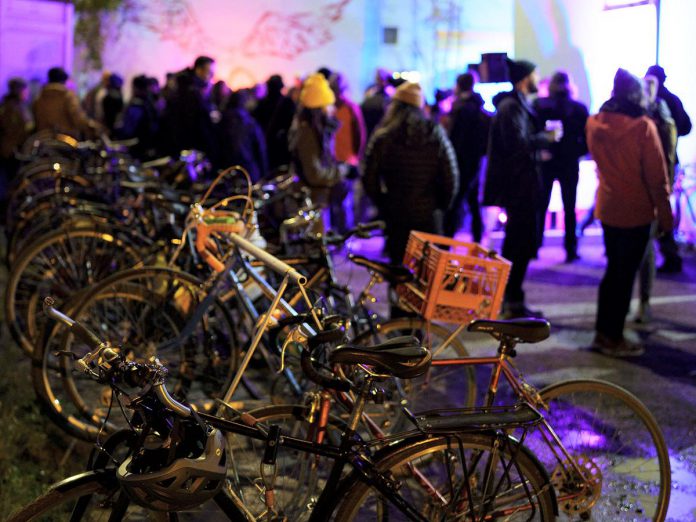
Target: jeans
[625, 249]
[647, 267]
[568, 179]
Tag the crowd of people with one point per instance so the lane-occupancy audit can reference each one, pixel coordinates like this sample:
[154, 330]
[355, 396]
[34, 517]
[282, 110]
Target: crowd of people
[417, 166]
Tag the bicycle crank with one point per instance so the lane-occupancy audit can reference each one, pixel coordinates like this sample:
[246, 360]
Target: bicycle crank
[577, 495]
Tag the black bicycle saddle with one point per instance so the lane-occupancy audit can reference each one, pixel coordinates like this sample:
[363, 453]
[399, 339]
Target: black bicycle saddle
[402, 357]
[394, 274]
[521, 330]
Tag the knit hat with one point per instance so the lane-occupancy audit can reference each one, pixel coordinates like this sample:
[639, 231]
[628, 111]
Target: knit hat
[410, 93]
[658, 72]
[519, 69]
[627, 86]
[316, 92]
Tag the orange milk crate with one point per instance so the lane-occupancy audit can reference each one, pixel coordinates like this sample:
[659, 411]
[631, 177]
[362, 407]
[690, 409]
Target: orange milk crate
[455, 281]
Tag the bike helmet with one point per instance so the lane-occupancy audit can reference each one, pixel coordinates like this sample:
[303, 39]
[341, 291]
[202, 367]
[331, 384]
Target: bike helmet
[186, 482]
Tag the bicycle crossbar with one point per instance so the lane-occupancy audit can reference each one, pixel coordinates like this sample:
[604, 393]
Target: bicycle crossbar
[270, 261]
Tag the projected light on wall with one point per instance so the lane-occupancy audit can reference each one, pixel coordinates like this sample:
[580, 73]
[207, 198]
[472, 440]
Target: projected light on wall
[621, 4]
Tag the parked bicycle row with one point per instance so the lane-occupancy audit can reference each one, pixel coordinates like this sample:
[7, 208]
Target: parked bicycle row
[226, 369]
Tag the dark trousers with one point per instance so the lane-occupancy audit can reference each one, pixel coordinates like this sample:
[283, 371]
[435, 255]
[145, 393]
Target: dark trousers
[519, 247]
[454, 217]
[625, 248]
[669, 248]
[567, 177]
[341, 212]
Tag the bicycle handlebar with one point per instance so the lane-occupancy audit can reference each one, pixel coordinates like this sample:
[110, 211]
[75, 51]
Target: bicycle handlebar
[111, 363]
[362, 230]
[80, 331]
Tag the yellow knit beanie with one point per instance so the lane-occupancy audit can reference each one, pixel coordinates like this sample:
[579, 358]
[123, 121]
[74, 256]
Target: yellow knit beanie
[316, 92]
[411, 93]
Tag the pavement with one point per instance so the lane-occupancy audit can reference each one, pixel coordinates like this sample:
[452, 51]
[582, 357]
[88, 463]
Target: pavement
[663, 378]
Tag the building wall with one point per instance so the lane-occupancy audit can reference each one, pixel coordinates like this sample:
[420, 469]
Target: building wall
[677, 44]
[591, 43]
[252, 40]
[34, 36]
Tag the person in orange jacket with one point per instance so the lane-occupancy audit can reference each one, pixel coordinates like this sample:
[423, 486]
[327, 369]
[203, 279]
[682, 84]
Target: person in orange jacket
[633, 191]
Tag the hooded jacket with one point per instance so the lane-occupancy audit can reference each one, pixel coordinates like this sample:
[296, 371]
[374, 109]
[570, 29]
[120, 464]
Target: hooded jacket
[57, 108]
[313, 158]
[633, 184]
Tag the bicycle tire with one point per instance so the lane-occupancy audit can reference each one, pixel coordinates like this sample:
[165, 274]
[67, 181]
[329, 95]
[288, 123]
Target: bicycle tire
[436, 385]
[425, 452]
[92, 493]
[136, 308]
[608, 429]
[295, 488]
[60, 264]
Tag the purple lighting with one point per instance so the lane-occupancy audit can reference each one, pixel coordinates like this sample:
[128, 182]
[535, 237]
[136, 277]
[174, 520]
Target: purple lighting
[589, 439]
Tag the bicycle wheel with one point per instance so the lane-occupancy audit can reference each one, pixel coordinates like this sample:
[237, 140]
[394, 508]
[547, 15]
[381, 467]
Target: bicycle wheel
[617, 443]
[448, 386]
[447, 478]
[143, 311]
[95, 496]
[60, 264]
[300, 476]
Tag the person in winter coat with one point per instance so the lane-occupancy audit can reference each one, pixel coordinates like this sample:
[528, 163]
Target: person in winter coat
[14, 126]
[140, 120]
[668, 246]
[112, 103]
[469, 127]
[633, 191]
[58, 109]
[376, 100]
[563, 165]
[675, 105]
[513, 178]
[275, 113]
[312, 138]
[92, 101]
[241, 139]
[410, 170]
[658, 112]
[350, 142]
[187, 122]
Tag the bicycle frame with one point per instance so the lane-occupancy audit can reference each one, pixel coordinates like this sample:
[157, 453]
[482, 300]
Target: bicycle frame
[502, 366]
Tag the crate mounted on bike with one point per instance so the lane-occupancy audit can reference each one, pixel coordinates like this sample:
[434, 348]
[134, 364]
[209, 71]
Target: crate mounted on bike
[455, 281]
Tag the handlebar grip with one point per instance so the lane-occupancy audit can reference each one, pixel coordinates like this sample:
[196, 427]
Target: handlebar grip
[85, 335]
[80, 331]
[327, 336]
[322, 380]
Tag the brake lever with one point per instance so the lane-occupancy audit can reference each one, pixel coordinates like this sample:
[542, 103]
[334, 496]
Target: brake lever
[296, 335]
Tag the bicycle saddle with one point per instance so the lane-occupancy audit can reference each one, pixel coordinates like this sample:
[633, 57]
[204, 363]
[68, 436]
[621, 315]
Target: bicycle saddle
[394, 274]
[521, 330]
[402, 357]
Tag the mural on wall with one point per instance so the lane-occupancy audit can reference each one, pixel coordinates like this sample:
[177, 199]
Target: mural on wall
[249, 40]
[289, 35]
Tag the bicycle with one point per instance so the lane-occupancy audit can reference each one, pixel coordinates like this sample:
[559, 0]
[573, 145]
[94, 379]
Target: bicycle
[453, 466]
[590, 429]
